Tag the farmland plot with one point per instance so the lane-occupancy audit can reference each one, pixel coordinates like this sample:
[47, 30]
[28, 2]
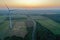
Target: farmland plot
[2, 18]
[19, 27]
[50, 24]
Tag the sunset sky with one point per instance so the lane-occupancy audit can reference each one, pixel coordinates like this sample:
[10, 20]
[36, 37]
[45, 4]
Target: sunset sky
[30, 3]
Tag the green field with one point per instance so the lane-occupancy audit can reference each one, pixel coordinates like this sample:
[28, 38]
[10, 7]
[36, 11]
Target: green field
[4, 29]
[49, 24]
[2, 18]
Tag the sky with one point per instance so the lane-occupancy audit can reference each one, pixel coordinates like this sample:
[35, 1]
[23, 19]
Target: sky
[30, 3]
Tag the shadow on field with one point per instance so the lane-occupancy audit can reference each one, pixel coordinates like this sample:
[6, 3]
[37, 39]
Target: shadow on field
[41, 33]
[58, 37]
[13, 38]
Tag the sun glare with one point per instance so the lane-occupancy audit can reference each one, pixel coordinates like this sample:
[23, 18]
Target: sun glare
[29, 3]
[32, 3]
